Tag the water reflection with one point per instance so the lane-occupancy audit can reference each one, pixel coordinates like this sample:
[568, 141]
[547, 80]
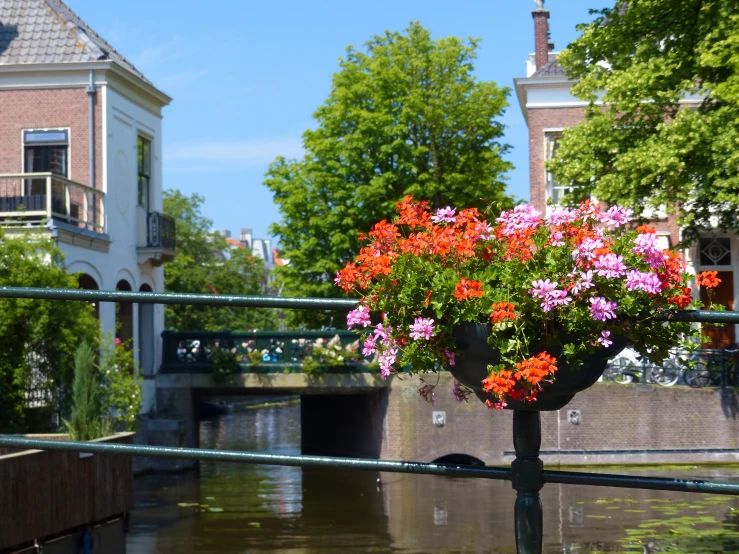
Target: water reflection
[237, 508]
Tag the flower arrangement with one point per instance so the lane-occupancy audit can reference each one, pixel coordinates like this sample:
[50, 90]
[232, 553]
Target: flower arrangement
[331, 353]
[572, 281]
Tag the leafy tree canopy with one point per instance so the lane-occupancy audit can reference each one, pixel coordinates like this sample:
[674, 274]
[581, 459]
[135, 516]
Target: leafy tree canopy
[38, 338]
[662, 126]
[206, 263]
[407, 116]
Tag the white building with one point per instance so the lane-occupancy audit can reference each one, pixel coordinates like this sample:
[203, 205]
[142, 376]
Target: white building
[81, 161]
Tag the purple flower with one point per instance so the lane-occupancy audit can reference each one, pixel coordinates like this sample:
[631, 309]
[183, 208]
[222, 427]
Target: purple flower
[542, 288]
[444, 214]
[648, 282]
[370, 345]
[428, 394]
[422, 328]
[460, 392]
[555, 298]
[450, 357]
[360, 316]
[585, 282]
[603, 339]
[610, 266]
[602, 309]
[616, 216]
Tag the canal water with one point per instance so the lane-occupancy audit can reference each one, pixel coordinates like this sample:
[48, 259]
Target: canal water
[237, 508]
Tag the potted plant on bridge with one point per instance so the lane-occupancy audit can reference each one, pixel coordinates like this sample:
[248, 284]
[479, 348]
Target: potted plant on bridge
[525, 311]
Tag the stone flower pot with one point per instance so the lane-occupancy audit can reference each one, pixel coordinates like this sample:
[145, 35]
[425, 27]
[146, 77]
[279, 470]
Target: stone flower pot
[476, 354]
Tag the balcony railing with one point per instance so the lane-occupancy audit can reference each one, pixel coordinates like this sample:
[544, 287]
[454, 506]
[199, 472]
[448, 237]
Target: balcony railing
[160, 231]
[32, 199]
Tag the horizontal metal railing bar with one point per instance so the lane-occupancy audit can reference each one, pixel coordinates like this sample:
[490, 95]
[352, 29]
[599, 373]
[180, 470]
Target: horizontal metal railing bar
[448, 470]
[230, 300]
[698, 316]
[419, 468]
[636, 482]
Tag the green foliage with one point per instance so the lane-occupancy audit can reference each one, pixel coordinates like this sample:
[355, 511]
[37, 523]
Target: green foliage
[646, 149]
[405, 117]
[88, 420]
[121, 385]
[225, 362]
[332, 353]
[39, 337]
[206, 263]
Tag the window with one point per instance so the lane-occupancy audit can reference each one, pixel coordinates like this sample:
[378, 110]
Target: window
[715, 251]
[556, 191]
[44, 152]
[144, 171]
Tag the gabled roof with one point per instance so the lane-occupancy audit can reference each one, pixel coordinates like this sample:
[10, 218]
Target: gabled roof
[47, 32]
[551, 69]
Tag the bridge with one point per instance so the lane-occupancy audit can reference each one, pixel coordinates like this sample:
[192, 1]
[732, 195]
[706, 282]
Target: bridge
[347, 409]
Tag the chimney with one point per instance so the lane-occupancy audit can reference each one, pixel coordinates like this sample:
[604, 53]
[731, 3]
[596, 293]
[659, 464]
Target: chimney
[542, 45]
[246, 238]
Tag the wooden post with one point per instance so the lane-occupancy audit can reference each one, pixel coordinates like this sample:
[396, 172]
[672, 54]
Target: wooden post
[527, 481]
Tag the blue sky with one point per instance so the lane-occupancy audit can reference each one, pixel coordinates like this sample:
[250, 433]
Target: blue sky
[247, 76]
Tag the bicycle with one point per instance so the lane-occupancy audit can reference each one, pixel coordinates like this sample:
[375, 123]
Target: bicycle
[713, 367]
[627, 368]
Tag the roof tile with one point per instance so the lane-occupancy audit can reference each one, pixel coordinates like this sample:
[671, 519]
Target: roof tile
[48, 31]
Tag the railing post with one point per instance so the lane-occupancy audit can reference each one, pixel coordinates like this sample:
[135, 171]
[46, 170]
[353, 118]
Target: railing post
[48, 196]
[527, 480]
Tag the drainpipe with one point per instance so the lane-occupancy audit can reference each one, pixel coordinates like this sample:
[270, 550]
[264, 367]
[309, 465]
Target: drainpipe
[91, 90]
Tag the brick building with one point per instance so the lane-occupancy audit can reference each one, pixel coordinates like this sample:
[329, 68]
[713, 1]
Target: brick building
[80, 161]
[549, 107]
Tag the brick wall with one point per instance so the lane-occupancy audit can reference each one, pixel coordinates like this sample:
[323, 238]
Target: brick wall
[50, 108]
[618, 424]
[541, 37]
[540, 119]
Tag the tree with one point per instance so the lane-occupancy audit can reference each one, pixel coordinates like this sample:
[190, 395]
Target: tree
[38, 338]
[206, 263]
[405, 117]
[645, 146]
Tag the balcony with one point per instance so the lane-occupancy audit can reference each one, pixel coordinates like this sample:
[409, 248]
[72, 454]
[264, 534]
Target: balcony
[157, 242]
[73, 212]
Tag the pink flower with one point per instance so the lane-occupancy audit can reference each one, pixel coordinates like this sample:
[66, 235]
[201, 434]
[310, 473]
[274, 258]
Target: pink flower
[555, 298]
[610, 266]
[586, 249]
[602, 309]
[117, 340]
[646, 246]
[444, 214]
[422, 328]
[484, 232]
[562, 216]
[616, 216]
[450, 357]
[542, 288]
[382, 332]
[648, 282]
[522, 217]
[370, 345]
[603, 339]
[386, 359]
[585, 282]
[360, 316]
[556, 239]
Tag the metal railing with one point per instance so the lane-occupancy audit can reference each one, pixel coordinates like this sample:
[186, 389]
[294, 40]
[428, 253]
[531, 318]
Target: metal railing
[526, 474]
[160, 231]
[257, 351]
[32, 199]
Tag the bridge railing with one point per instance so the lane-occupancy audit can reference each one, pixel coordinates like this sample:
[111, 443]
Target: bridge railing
[527, 474]
[326, 351]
